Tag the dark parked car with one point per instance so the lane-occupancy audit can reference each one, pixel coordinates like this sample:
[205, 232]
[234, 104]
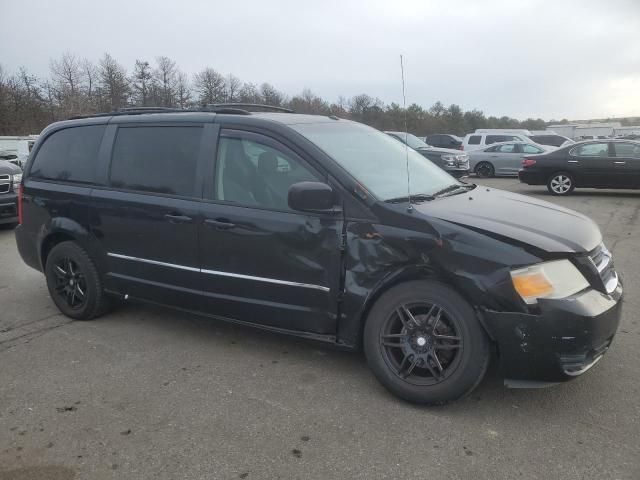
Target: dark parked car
[454, 162]
[444, 140]
[10, 178]
[301, 224]
[593, 164]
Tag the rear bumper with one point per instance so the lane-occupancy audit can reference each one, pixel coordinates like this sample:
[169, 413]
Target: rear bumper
[531, 177]
[8, 208]
[28, 247]
[563, 341]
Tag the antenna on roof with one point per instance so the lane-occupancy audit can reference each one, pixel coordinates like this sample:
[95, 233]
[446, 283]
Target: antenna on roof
[406, 138]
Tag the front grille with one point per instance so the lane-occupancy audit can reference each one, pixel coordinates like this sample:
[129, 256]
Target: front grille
[5, 183]
[603, 262]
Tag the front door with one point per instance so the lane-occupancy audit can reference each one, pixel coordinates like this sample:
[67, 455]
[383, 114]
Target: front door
[261, 261]
[147, 216]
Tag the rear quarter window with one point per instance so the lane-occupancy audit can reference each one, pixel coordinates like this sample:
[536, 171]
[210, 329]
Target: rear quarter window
[474, 140]
[69, 155]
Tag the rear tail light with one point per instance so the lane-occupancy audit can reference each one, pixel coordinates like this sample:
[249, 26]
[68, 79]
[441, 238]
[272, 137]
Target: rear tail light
[528, 162]
[20, 195]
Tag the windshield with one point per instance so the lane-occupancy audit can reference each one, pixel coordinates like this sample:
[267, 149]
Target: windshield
[412, 140]
[376, 160]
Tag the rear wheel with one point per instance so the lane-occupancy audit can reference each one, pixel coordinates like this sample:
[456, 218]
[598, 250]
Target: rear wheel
[424, 343]
[485, 170]
[560, 183]
[74, 283]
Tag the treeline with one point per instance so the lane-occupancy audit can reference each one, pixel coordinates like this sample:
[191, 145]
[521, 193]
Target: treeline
[78, 86]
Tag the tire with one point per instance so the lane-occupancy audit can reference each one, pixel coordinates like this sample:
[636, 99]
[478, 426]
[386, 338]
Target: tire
[561, 183]
[70, 272]
[485, 170]
[461, 367]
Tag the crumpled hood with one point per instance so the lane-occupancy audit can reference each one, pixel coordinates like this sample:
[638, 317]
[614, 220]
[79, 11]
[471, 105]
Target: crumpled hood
[525, 219]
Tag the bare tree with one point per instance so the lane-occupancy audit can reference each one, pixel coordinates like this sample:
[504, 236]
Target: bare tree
[90, 76]
[183, 90]
[270, 95]
[140, 83]
[114, 86]
[249, 94]
[166, 75]
[308, 102]
[67, 74]
[232, 86]
[209, 85]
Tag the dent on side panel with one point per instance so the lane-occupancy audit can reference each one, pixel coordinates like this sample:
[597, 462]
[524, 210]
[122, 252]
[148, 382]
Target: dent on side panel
[379, 256]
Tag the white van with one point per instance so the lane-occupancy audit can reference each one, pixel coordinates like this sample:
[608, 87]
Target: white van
[474, 141]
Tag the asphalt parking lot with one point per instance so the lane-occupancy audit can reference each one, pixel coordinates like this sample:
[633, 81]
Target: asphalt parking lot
[146, 392]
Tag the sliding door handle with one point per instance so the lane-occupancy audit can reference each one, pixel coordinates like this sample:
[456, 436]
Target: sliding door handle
[220, 224]
[177, 218]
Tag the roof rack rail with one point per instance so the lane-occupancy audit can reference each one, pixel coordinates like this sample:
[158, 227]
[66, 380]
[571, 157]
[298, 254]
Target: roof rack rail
[148, 109]
[130, 111]
[230, 108]
[249, 105]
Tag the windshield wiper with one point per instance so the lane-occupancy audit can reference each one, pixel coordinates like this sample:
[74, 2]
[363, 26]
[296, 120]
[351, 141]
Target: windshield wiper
[463, 187]
[415, 198]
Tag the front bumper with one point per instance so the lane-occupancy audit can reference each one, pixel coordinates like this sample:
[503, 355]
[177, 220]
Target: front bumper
[564, 340]
[8, 208]
[457, 172]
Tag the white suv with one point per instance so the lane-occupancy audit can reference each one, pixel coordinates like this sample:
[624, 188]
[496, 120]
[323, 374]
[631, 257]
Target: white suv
[475, 141]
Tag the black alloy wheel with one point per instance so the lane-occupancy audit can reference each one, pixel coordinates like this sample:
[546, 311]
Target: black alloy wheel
[74, 283]
[485, 170]
[421, 343]
[70, 284]
[424, 343]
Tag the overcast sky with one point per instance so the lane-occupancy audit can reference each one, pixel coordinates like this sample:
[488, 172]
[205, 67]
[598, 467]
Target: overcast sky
[522, 58]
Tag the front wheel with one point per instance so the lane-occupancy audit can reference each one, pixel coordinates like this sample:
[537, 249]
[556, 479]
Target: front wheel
[424, 343]
[560, 183]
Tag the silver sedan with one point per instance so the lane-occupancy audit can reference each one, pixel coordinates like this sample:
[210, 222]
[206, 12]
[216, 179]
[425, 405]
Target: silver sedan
[504, 158]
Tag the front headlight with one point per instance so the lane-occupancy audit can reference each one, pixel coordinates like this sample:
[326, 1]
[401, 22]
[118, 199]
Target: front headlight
[16, 179]
[450, 159]
[556, 279]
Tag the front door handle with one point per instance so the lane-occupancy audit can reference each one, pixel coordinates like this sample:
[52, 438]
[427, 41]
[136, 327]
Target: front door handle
[572, 161]
[177, 218]
[620, 163]
[220, 223]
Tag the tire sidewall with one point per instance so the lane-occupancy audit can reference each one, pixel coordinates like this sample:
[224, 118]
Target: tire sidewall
[475, 353]
[93, 285]
[490, 174]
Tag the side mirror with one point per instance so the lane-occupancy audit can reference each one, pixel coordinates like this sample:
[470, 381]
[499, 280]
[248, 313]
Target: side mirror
[311, 197]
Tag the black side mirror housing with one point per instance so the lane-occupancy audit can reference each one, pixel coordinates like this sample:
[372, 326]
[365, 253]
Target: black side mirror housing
[311, 197]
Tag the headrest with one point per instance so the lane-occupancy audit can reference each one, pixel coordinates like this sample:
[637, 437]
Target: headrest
[267, 163]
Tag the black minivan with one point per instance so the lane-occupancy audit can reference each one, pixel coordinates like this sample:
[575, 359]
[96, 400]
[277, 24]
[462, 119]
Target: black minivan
[302, 224]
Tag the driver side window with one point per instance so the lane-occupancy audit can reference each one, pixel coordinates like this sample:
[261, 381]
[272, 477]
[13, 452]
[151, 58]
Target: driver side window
[255, 171]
